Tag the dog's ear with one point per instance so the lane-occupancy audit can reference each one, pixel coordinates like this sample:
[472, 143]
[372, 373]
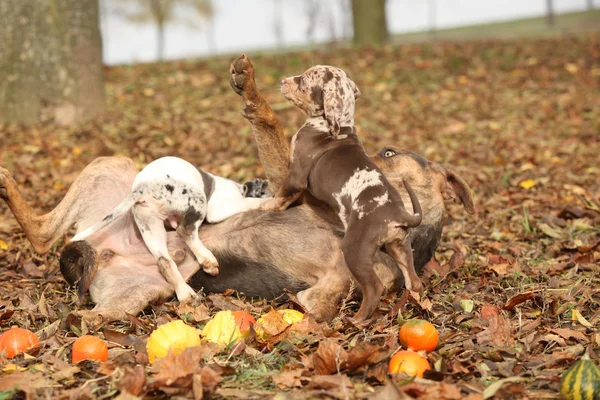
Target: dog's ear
[333, 106]
[354, 89]
[458, 187]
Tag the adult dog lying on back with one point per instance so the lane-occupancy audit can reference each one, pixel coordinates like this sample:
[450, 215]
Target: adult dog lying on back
[260, 253]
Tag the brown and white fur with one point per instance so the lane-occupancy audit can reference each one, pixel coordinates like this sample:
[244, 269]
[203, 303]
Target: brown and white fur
[340, 174]
[172, 190]
[253, 248]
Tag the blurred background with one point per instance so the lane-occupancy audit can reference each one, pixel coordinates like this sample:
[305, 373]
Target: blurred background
[148, 30]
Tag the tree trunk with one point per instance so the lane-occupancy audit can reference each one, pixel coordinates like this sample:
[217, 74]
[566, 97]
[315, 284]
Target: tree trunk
[160, 40]
[50, 61]
[370, 26]
[550, 13]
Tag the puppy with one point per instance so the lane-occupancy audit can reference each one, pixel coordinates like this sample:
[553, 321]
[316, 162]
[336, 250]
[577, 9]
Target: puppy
[328, 160]
[171, 190]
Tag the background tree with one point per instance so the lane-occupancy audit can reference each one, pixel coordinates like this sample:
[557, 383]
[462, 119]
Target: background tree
[369, 21]
[590, 4]
[163, 12]
[550, 12]
[50, 61]
[206, 12]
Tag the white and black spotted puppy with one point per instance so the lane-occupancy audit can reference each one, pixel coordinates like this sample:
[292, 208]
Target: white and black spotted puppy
[328, 160]
[172, 190]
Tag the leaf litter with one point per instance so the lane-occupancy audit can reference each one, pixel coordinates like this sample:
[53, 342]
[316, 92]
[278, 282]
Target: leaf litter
[513, 291]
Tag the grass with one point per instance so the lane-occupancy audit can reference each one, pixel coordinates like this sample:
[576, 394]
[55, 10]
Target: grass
[575, 22]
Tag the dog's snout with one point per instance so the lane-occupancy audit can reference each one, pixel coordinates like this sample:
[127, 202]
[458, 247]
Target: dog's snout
[283, 81]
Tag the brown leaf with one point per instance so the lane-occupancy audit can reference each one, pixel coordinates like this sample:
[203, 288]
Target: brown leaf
[118, 337]
[290, 378]
[571, 333]
[498, 333]
[32, 270]
[365, 354]
[329, 357]
[330, 382]
[518, 299]
[133, 380]
[174, 367]
[197, 313]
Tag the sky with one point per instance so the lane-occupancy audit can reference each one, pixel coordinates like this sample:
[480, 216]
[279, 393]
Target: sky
[247, 25]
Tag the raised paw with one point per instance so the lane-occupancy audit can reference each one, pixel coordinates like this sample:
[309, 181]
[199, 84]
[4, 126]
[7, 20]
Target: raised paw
[242, 74]
[184, 292]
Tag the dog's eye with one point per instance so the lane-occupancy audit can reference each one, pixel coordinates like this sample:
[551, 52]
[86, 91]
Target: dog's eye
[389, 153]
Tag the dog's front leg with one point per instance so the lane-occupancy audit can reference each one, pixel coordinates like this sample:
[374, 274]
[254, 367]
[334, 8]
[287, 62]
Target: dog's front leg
[291, 189]
[43, 231]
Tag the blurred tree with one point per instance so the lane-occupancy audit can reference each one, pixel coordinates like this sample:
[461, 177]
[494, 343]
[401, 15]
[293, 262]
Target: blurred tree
[369, 21]
[50, 61]
[549, 12]
[162, 12]
[278, 23]
[590, 4]
[312, 11]
[206, 12]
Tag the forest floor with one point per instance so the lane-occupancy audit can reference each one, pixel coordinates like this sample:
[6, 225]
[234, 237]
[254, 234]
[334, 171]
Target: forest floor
[518, 120]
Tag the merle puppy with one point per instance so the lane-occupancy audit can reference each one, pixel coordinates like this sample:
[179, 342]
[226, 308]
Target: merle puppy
[171, 190]
[328, 160]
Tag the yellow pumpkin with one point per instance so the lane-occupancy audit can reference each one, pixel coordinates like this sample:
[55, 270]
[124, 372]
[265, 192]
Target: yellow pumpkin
[222, 329]
[174, 335]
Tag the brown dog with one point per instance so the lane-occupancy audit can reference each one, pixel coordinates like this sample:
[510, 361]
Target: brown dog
[252, 248]
[340, 174]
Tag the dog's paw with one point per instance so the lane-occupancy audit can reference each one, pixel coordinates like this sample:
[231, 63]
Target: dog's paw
[211, 266]
[185, 292]
[242, 74]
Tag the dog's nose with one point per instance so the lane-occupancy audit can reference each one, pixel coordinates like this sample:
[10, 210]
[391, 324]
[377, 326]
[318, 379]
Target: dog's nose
[282, 81]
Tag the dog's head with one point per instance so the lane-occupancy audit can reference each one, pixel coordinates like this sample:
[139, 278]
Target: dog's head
[257, 188]
[323, 91]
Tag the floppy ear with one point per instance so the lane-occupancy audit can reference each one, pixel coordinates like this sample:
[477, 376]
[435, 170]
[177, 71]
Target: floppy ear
[458, 187]
[354, 89]
[332, 106]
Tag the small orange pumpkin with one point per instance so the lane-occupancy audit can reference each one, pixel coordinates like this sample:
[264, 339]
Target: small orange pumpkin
[418, 334]
[89, 347]
[409, 362]
[17, 340]
[244, 320]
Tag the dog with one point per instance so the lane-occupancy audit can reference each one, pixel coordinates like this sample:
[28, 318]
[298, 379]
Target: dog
[172, 190]
[328, 160]
[260, 254]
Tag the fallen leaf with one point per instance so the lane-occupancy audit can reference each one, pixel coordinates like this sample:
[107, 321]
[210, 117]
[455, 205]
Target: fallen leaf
[576, 316]
[491, 390]
[498, 333]
[133, 380]
[329, 357]
[518, 299]
[289, 379]
[527, 184]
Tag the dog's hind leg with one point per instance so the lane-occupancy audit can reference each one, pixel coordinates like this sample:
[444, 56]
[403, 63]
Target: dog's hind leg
[106, 174]
[359, 251]
[401, 252]
[188, 230]
[154, 234]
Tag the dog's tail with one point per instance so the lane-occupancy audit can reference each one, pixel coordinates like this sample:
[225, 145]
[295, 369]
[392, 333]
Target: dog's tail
[120, 209]
[78, 265]
[416, 217]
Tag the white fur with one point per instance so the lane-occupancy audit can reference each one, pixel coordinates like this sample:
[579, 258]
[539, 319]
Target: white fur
[361, 180]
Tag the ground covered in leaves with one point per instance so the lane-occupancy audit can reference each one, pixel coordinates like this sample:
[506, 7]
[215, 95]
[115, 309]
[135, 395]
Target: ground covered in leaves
[515, 293]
